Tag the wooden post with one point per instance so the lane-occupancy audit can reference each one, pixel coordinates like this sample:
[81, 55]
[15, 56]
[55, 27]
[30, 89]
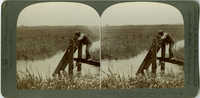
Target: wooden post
[65, 59]
[71, 55]
[162, 61]
[144, 63]
[78, 63]
[154, 58]
[150, 57]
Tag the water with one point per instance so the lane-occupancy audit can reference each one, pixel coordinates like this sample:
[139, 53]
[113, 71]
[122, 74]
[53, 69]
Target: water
[46, 67]
[125, 68]
[128, 67]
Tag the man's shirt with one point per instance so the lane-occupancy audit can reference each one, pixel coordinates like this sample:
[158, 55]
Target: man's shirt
[84, 39]
[167, 38]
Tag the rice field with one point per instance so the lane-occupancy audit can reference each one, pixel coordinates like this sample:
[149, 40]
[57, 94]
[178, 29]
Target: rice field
[122, 51]
[111, 82]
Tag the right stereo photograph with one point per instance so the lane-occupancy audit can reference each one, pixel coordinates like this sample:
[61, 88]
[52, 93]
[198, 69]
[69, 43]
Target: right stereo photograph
[142, 46]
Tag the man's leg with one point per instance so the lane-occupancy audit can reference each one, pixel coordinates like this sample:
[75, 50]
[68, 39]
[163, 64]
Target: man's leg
[87, 51]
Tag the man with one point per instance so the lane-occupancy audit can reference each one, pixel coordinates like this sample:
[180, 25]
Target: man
[85, 41]
[167, 39]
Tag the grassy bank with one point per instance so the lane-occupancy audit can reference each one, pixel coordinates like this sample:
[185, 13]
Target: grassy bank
[166, 81]
[40, 42]
[111, 82]
[30, 81]
[120, 42]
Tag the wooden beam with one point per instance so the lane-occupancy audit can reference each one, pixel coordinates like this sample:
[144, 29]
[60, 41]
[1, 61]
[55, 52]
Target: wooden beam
[153, 57]
[90, 62]
[148, 58]
[163, 50]
[78, 64]
[174, 61]
[65, 60]
[70, 59]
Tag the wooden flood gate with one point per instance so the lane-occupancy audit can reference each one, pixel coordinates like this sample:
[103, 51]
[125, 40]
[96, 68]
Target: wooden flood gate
[151, 58]
[68, 59]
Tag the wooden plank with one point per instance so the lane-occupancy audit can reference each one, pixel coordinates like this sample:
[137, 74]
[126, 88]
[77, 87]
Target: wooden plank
[174, 61]
[61, 63]
[78, 64]
[90, 62]
[149, 62]
[153, 59]
[64, 60]
[148, 58]
[145, 61]
[70, 59]
[163, 50]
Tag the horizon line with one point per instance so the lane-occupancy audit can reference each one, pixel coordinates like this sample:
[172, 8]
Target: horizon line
[96, 25]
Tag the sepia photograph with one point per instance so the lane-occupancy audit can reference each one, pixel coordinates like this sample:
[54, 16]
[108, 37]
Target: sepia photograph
[58, 47]
[142, 46]
[65, 45]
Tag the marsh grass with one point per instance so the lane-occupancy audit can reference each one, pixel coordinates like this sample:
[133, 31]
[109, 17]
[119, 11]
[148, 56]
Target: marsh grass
[118, 42]
[40, 42]
[164, 81]
[30, 81]
[111, 81]
[122, 42]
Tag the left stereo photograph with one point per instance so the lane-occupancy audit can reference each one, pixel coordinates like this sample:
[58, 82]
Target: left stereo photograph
[58, 47]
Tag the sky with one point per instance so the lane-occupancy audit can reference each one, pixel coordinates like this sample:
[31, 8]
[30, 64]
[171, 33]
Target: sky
[63, 13]
[58, 13]
[141, 13]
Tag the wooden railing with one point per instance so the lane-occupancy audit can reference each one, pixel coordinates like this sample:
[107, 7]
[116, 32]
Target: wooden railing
[151, 58]
[68, 59]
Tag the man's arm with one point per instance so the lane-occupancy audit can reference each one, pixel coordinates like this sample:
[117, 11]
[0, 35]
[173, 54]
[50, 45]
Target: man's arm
[170, 39]
[81, 36]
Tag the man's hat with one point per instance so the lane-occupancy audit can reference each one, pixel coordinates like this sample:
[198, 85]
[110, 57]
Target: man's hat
[161, 32]
[78, 33]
